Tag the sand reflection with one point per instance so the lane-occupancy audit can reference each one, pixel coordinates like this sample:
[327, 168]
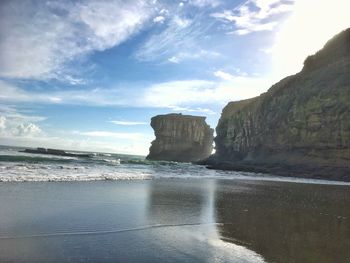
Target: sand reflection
[190, 209]
[287, 222]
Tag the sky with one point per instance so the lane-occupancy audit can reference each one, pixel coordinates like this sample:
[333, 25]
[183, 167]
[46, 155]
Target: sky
[89, 74]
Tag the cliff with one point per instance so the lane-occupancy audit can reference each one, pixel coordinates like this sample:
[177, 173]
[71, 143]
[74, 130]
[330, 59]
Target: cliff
[181, 138]
[299, 127]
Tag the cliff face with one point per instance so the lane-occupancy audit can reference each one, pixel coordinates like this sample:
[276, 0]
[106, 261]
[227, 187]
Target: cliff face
[181, 138]
[302, 122]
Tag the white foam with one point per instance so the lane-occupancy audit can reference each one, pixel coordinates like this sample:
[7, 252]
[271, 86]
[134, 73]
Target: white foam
[19, 172]
[112, 161]
[70, 177]
[107, 168]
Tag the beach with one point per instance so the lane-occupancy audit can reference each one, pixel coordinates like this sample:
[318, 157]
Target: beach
[183, 131]
[174, 220]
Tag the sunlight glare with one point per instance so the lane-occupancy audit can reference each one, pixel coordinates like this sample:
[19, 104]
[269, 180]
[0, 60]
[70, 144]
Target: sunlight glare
[310, 26]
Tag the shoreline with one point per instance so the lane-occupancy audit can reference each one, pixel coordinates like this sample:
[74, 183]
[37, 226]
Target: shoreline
[332, 173]
[243, 176]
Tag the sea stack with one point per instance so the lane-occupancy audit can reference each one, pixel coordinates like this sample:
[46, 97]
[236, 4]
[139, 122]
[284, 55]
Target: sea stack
[181, 138]
[299, 127]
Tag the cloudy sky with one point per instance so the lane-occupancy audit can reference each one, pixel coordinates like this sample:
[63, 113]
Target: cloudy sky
[89, 74]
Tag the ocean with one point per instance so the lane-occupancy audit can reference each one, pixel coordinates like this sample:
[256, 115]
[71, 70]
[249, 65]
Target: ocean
[18, 166]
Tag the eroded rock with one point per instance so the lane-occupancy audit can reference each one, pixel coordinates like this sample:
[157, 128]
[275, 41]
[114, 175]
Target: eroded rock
[181, 138]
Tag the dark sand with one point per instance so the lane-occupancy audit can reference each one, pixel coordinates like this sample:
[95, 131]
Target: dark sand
[171, 220]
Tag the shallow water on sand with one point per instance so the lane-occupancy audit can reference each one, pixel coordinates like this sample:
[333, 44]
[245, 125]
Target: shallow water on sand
[174, 220]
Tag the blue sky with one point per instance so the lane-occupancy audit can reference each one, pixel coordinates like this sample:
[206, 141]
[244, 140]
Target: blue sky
[89, 74]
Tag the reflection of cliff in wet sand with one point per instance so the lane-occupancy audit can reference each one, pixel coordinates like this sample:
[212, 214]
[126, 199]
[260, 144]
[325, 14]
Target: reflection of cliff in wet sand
[55, 152]
[185, 204]
[183, 211]
[287, 222]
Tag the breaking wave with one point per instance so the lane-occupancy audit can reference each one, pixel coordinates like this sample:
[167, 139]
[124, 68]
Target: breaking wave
[17, 166]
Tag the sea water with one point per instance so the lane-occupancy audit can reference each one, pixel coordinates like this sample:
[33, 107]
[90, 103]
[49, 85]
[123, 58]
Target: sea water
[18, 166]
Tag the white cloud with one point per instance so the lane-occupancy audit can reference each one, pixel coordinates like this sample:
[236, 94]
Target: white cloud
[105, 97]
[164, 11]
[181, 22]
[174, 59]
[223, 75]
[128, 123]
[203, 3]
[184, 93]
[178, 93]
[192, 110]
[27, 130]
[254, 15]
[199, 92]
[14, 123]
[180, 35]
[310, 26]
[197, 54]
[20, 116]
[159, 19]
[38, 40]
[12, 127]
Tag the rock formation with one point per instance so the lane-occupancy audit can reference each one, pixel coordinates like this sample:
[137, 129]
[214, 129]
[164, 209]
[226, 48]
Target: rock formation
[54, 152]
[181, 138]
[299, 127]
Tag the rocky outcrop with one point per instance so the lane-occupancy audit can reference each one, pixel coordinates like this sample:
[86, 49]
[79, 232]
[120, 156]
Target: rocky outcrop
[299, 127]
[54, 152]
[180, 138]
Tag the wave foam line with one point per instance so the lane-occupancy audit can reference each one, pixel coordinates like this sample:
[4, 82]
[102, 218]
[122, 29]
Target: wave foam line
[105, 232]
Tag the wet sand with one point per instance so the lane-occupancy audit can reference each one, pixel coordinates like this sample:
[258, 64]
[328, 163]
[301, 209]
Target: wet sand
[174, 220]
